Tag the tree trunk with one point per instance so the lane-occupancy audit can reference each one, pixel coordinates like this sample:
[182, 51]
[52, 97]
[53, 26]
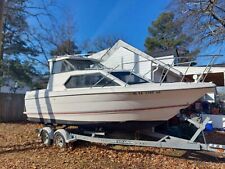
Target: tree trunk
[2, 4]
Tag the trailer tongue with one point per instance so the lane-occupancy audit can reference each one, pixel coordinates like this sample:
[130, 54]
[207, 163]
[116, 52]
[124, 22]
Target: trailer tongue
[62, 137]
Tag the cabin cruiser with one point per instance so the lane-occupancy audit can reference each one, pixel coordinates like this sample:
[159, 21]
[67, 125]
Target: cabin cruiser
[81, 91]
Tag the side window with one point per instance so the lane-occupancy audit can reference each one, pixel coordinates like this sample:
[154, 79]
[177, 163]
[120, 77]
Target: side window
[89, 80]
[57, 66]
[60, 67]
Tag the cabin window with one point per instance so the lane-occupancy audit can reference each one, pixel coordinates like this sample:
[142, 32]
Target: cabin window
[75, 64]
[84, 64]
[128, 77]
[89, 80]
[57, 66]
[61, 66]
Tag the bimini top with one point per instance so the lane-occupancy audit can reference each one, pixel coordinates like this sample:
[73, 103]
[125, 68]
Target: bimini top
[72, 63]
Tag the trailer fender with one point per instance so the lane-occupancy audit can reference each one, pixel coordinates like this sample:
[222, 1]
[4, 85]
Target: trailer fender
[64, 133]
[49, 130]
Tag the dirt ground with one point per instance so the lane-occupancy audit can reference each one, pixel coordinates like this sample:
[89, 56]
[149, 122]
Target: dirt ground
[21, 148]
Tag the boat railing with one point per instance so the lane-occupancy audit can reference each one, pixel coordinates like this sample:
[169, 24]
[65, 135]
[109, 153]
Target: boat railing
[166, 68]
[207, 69]
[175, 62]
[205, 72]
[108, 73]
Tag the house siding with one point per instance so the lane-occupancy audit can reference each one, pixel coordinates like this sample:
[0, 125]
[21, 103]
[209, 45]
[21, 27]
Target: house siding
[127, 60]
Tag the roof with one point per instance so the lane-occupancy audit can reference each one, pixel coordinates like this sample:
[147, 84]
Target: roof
[98, 55]
[199, 70]
[105, 54]
[167, 59]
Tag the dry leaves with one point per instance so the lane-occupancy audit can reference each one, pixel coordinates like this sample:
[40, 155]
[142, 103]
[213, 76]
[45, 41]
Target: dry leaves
[20, 148]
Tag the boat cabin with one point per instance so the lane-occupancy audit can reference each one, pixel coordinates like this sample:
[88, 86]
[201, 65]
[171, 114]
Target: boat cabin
[79, 72]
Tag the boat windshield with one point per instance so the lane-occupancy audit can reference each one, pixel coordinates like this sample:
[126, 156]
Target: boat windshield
[129, 77]
[75, 64]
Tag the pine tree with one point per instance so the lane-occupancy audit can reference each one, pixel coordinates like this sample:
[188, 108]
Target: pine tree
[14, 42]
[165, 36]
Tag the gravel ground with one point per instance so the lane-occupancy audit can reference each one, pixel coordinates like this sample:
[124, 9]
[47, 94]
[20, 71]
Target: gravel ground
[20, 148]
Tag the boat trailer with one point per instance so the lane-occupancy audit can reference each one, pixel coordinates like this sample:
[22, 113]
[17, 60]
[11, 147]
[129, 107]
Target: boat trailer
[62, 137]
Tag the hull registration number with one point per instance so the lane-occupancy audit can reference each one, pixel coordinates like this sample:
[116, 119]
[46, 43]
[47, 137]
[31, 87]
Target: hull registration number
[146, 92]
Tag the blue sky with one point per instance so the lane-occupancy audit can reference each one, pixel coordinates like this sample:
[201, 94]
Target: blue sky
[128, 19]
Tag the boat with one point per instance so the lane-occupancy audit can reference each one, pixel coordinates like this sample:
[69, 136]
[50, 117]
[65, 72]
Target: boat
[82, 92]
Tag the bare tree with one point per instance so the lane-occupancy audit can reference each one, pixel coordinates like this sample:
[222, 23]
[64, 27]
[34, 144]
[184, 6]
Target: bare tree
[99, 43]
[17, 40]
[58, 35]
[16, 37]
[204, 19]
[43, 31]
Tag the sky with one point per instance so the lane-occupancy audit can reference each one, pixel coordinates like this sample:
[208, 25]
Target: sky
[128, 19]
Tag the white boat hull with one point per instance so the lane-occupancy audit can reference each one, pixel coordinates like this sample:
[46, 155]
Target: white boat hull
[70, 107]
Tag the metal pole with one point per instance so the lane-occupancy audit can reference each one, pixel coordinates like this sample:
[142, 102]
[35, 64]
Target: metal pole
[186, 72]
[164, 76]
[209, 68]
[104, 76]
[127, 81]
[209, 64]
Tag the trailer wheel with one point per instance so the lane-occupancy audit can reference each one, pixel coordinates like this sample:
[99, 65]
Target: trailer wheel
[59, 140]
[45, 138]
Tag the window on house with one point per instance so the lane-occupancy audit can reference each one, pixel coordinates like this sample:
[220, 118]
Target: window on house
[89, 80]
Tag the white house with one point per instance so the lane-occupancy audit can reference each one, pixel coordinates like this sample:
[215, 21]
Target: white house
[125, 56]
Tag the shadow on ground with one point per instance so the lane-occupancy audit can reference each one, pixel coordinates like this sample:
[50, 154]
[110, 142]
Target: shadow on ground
[20, 147]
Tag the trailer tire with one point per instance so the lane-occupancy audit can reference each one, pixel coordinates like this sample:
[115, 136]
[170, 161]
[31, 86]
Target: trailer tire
[59, 140]
[45, 138]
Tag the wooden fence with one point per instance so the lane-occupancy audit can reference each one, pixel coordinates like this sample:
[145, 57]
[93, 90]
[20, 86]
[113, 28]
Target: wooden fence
[12, 107]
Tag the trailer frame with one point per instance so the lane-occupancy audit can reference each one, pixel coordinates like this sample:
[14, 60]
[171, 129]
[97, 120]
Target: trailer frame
[62, 137]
